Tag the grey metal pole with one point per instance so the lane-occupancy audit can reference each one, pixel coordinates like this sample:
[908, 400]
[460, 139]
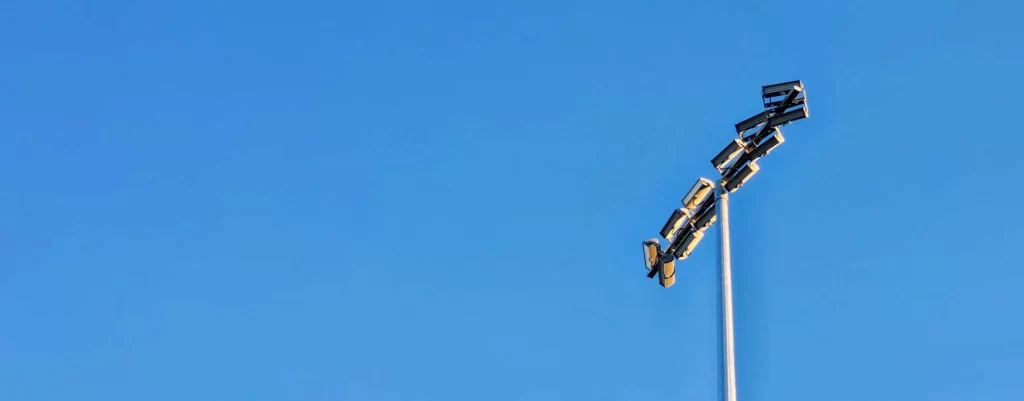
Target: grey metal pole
[727, 350]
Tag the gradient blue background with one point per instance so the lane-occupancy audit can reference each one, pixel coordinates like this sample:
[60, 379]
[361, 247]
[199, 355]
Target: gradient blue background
[405, 200]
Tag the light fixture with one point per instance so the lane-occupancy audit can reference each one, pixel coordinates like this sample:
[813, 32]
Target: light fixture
[727, 154]
[736, 165]
[789, 116]
[752, 122]
[698, 193]
[707, 202]
[652, 253]
[678, 218]
[706, 219]
[741, 177]
[667, 271]
[789, 101]
[687, 244]
[780, 89]
[768, 145]
[677, 238]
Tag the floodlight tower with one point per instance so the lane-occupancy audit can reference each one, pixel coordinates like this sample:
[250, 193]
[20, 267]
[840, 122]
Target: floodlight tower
[784, 103]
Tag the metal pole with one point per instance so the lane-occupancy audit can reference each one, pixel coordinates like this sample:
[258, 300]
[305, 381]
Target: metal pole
[727, 350]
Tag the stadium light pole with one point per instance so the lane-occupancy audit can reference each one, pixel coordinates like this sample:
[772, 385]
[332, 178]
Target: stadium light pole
[784, 103]
[726, 347]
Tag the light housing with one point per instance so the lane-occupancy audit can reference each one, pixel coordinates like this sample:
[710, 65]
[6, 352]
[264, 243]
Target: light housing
[678, 218]
[727, 154]
[677, 238]
[667, 271]
[706, 219]
[708, 202]
[741, 177]
[786, 102]
[652, 254]
[768, 145]
[755, 138]
[776, 103]
[781, 88]
[696, 195]
[736, 164]
[764, 132]
[687, 244]
[789, 116]
[752, 122]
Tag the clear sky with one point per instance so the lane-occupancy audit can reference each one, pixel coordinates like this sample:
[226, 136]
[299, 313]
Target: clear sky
[412, 200]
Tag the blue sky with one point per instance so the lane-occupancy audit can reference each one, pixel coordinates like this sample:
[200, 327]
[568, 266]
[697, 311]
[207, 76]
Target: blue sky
[402, 200]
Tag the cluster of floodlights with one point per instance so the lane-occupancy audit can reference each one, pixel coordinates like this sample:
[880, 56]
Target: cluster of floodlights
[758, 135]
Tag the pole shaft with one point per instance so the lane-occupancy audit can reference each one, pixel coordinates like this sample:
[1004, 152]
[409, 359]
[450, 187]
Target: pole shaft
[727, 350]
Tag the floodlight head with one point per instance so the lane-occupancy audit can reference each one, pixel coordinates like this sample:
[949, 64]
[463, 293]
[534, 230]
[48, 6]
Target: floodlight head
[687, 244]
[756, 137]
[690, 235]
[667, 272]
[727, 154]
[791, 99]
[678, 236]
[652, 253]
[708, 202]
[768, 145]
[706, 218]
[676, 220]
[736, 164]
[753, 121]
[789, 116]
[737, 180]
[762, 133]
[698, 193]
[785, 103]
[781, 88]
